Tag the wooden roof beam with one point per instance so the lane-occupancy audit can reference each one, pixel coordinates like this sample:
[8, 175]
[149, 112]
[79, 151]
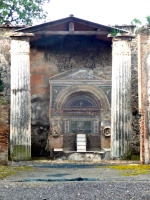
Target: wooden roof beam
[71, 33]
[71, 26]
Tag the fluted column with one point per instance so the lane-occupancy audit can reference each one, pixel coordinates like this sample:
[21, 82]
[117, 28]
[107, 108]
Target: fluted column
[20, 112]
[121, 98]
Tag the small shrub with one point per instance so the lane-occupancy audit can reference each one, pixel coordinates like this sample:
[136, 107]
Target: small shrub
[114, 32]
[1, 84]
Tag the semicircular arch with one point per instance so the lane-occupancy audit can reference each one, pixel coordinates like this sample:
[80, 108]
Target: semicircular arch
[97, 92]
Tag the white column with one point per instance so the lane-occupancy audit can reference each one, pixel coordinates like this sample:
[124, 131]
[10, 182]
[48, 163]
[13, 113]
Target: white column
[121, 98]
[20, 112]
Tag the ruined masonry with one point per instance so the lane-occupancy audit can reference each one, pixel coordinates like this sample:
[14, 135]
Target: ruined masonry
[75, 90]
[4, 130]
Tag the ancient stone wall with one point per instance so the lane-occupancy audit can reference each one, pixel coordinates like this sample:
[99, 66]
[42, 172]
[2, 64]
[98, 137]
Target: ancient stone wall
[4, 111]
[5, 60]
[144, 94]
[50, 56]
[135, 139]
[56, 54]
[4, 101]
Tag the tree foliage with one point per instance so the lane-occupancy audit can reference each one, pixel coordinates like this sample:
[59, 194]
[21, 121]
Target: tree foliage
[148, 19]
[136, 21]
[21, 11]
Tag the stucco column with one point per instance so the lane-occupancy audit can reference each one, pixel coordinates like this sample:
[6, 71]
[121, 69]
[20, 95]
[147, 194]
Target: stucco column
[20, 112]
[121, 97]
[144, 94]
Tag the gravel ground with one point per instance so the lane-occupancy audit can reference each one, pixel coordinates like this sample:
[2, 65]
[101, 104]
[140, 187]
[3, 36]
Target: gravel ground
[76, 190]
[109, 184]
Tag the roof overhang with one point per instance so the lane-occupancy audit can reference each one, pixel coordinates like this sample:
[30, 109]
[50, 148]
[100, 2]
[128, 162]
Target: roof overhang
[70, 26]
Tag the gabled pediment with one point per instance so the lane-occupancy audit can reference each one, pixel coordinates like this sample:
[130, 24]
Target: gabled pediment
[63, 24]
[79, 76]
[69, 26]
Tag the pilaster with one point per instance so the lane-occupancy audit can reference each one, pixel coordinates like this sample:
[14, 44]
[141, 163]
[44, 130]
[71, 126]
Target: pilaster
[20, 113]
[121, 98]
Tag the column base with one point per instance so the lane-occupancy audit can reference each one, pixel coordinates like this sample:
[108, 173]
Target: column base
[21, 152]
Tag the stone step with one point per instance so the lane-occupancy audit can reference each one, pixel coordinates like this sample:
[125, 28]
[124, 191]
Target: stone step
[81, 139]
[79, 143]
[81, 148]
[81, 135]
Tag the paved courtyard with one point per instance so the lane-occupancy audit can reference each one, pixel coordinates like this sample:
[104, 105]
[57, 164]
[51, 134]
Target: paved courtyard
[65, 181]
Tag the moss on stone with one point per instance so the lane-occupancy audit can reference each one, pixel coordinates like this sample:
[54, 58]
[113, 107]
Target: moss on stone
[21, 152]
[133, 169]
[6, 171]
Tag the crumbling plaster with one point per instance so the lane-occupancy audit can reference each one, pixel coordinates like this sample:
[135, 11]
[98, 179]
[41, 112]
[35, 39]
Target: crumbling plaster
[58, 55]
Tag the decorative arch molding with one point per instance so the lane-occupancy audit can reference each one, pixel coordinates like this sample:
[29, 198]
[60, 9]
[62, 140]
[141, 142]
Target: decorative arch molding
[96, 91]
[82, 104]
[75, 100]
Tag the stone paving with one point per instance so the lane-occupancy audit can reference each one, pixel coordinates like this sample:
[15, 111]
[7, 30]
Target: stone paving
[64, 180]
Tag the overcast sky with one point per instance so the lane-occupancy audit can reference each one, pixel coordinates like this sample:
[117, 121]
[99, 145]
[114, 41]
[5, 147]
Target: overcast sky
[100, 11]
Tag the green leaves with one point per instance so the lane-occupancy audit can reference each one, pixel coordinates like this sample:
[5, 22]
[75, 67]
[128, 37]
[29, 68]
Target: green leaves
[148, 19]
[114, 32]
[22, 11]
[136, 21]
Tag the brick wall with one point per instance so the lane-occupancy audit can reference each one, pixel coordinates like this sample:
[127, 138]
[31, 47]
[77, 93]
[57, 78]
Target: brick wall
[144, 94]
[4, 102]
[3, 131]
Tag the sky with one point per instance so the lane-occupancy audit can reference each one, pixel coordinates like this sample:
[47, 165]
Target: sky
[107, 12]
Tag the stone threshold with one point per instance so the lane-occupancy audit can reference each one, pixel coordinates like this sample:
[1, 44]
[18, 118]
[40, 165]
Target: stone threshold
[101, 152]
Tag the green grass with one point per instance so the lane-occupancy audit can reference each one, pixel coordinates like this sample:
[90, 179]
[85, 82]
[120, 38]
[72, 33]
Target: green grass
[3, 101]
[135, 157]
[6, 171]
[130, 170]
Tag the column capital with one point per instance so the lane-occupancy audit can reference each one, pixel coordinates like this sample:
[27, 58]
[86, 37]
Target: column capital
[20, 45]
[21, 34]
[121, 46]
[122, 37]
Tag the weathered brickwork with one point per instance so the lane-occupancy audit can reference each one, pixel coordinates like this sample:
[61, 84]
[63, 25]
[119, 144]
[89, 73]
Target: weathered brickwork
[4, 101]
[3, 131]
[144, 94]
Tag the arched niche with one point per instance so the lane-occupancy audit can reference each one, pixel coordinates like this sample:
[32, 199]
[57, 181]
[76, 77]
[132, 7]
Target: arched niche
[79, 104]
[97, 92]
